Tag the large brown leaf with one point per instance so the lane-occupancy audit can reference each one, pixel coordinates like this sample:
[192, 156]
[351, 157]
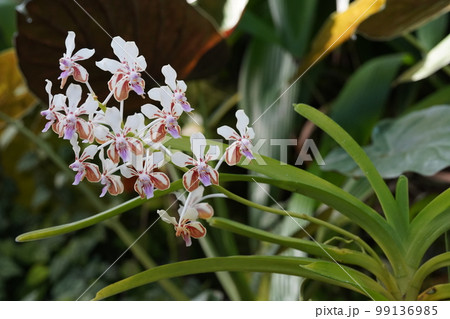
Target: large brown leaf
[401, 16]
[166, 31]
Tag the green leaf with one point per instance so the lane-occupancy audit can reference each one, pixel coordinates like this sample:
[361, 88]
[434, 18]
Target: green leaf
[293, 21]
[362, 160]
[435, 263]
[435, 293]
[416, 142]
[435, 60]
[362, 101]
[402, 16]
[272, 264]
[430, 223]
[431, 33]
[341, 255]
[438, 97]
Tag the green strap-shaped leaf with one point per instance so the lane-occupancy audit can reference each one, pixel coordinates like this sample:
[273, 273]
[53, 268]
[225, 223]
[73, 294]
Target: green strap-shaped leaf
[435, 263]
[383, 193]
[305, 267]
[431, 222]
[329, 252]
[437, 292]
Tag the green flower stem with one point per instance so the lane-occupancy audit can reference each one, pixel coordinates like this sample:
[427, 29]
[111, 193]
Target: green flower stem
[435, 263]
[89, 221]
[311, 219]
[144, 258]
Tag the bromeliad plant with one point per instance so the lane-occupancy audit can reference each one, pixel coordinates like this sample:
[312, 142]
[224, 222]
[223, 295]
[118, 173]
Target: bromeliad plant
[391, 270]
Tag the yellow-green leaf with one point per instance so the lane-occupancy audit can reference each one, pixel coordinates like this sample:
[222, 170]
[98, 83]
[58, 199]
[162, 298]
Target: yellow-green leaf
[339, 28]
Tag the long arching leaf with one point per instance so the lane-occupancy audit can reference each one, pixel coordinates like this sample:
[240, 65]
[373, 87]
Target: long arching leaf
[305, 267]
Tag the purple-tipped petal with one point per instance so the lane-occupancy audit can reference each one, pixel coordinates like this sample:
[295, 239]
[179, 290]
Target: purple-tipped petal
[148, 190]
[78, 177]
[138, 89]
[69, 131]
[205, 179]
[47, 126]
[247, 153]
[64, 75]
[174, 132]
[187, 239]
[104, 190]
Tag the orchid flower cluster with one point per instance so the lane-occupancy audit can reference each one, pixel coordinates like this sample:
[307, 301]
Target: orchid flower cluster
[134, 146]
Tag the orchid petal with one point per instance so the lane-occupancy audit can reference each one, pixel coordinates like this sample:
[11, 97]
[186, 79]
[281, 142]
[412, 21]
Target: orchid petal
[89, 106]
[48, 89]
[109, 65]
[190, 180]
[134, 122]
[180, 159]
[89, 152]
[127, 172]
[157, 159]
[170, 74]
[155, 94]
[74, 95]
[70, 43]
[196, 230]
[187, 239]
[83, 54]
[114, 119]
[196, 196]
[151, 111]
[141, 63]
[198, 144]
[75, 147]
[166, 217]
[80, 74]
[158, 131]
[214, 175]
[160, 180]
[181, 85]
[166, 98]
[101, 133]
[204, 210]
[227, 133]
[177, 110]
[213, 153]
[92, 172]
[233, 154]
[250, 133]
[190, 214]
[242, 121]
